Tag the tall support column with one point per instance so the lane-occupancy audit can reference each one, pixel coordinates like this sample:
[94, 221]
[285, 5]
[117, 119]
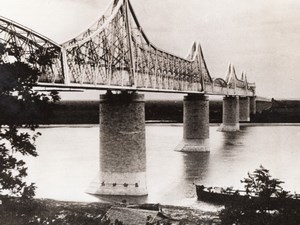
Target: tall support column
[195, 124]
[122, 146]
[244, 103]
[230, 114]
[253, 105]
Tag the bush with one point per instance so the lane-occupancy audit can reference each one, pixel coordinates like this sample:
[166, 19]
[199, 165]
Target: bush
[273, 205]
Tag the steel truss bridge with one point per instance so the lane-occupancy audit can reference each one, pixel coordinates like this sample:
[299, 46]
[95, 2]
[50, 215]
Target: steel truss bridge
[115, 54]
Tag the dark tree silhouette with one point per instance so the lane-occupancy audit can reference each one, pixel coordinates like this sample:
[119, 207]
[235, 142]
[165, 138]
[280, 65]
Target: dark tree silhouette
[21, 108]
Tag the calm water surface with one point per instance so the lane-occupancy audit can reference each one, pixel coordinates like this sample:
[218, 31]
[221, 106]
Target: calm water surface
[68, 161]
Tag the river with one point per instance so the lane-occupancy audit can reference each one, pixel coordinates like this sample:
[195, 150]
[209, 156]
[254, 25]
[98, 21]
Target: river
[69, 156]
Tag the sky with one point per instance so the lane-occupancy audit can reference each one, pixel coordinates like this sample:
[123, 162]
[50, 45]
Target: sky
[260, 38]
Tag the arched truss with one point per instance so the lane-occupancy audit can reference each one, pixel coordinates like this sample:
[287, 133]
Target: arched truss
[32, 48]
[219, 82]
[233, 81]
[115, 53]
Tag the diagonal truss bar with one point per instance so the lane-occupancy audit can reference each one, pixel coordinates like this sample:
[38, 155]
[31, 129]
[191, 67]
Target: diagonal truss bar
[32, 47]
[115, 53]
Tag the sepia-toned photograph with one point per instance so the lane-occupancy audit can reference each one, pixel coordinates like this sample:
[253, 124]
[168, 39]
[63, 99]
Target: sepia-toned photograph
[140, 112]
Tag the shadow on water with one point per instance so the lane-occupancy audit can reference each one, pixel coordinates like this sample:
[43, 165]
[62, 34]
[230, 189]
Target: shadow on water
[194, 171]
[232, 139]
[229, 152]
[122, 199]
[195, 165]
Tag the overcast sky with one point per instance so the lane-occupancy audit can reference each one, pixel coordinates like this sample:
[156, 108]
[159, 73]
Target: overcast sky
[259, 37]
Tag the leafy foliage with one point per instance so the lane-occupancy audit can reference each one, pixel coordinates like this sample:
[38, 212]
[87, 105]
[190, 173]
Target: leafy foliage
[260, 182]
[20, 108]
[271, 204]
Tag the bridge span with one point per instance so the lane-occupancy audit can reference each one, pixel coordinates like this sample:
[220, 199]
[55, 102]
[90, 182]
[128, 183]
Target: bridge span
[114, 54]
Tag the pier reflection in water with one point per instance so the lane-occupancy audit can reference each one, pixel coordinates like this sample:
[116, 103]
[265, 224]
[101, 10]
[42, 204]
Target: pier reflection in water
[68, 161]
[195, 170]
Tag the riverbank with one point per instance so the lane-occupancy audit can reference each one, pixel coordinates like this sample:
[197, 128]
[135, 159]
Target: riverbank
[14, 211]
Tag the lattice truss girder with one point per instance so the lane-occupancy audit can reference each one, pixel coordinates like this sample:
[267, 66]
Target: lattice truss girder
[115, 51]
[233, 81]
[100, 56]
[32, 48]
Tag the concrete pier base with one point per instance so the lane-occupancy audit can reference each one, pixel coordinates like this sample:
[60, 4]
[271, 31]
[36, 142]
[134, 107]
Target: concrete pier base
[230, 114]
[122, 146]
[244, 103]
[193, 145]
[129, 184]
[195, 124]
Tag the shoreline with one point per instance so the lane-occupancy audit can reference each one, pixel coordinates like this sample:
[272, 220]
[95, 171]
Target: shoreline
[49, 211]
[168, 123]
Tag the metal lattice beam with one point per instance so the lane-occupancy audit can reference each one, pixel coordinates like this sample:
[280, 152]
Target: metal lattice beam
[115, 53]
[31, 47]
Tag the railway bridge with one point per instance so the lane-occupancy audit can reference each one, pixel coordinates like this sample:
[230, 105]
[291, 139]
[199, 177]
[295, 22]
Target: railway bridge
[115, 55]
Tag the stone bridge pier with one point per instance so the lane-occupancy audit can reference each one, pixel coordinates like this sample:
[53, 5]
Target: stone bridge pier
[122, 146]
[231, 115]
[252, 105]
[195, 124]
[244, 103]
